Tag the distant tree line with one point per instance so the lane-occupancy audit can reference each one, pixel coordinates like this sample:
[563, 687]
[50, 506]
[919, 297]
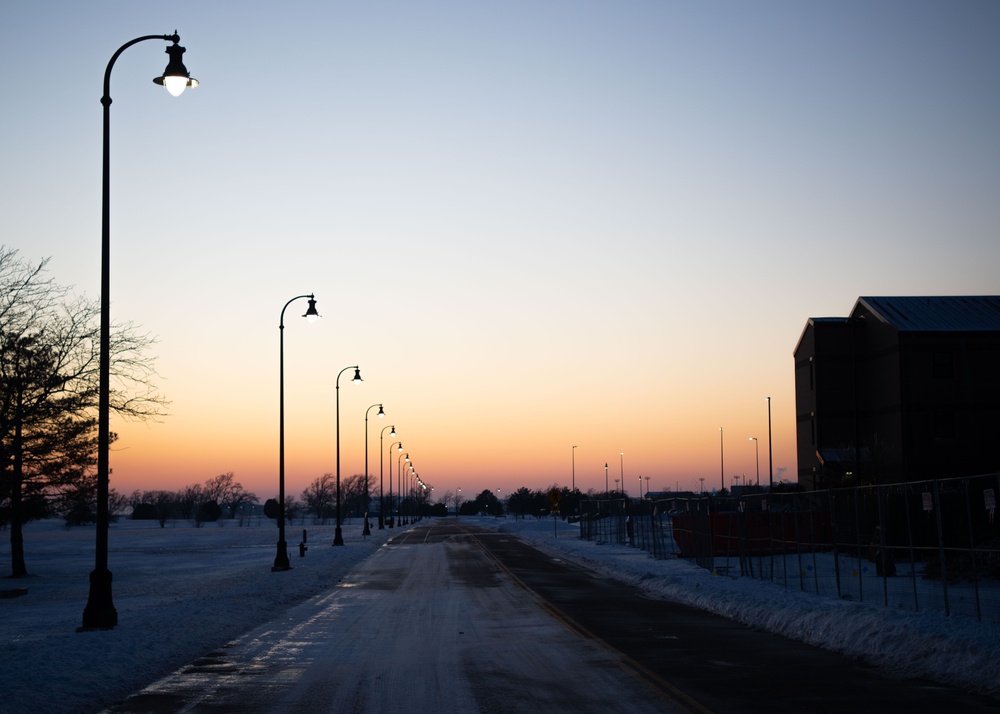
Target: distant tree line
[358, 496]
[222, 497]
[522, 502]
[219, 496]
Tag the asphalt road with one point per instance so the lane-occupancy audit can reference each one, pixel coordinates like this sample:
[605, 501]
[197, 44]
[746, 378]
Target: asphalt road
[448, 617]
[708, 663]
[430, 623]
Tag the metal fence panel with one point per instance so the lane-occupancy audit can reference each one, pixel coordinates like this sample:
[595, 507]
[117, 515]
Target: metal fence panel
[931, 545]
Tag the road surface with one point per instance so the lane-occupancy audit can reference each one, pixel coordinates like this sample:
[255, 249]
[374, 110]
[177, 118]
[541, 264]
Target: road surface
[449, 617]
[429, 623]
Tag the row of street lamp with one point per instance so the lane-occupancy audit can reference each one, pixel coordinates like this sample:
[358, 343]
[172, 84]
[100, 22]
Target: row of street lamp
[281, 561]
[99, 612]
[722, 451]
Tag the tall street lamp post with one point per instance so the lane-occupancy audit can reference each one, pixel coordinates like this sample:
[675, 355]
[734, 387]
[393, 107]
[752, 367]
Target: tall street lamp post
[573, 472]
[411, 475]
[607, 489]
[381, 415]
[419, 493]
[399, 482]
[338, 536]
[281, 557]
[404, 517]
[722, 456]
[399, 444]
[100, 612]
[401, 488]
[410, 472]
[381, 471]
[770, 452]
[621, 458]
[756, 448]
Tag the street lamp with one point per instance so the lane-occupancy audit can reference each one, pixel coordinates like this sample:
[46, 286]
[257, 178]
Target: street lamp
[756, 447]
[399, 481]
[722, 456]
[392, 521]
[381, 415]
[770, 452]
[338, 535]
[607, 489]
[175, 78]
[281, 557]
[411, 474]
[574, 467]
[403, 489]
[411, 487]
[422, 497]
[100, 612]
[419, 496]
[621, 458]
[381, 470]
[415, 485]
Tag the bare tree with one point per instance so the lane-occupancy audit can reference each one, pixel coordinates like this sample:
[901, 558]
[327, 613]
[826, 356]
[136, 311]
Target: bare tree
[353, 495]
[320, 497]
[229, 493]
[49, 389]
[292, 508]
[189, 499]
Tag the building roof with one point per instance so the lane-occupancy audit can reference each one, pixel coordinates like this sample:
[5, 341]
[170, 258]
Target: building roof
[937, 314]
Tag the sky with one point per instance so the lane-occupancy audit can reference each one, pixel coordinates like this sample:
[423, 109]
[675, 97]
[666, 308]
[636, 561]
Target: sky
[532, 225]
[54, 668]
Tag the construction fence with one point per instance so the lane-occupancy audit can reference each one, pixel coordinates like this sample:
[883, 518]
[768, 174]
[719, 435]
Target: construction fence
[931, 545]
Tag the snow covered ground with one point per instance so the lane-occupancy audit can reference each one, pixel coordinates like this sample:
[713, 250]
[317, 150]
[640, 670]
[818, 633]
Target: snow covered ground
[182, 591]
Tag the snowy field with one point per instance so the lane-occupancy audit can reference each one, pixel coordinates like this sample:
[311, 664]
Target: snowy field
[182, 591]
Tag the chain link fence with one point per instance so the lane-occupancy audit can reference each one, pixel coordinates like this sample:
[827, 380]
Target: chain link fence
[930, 545]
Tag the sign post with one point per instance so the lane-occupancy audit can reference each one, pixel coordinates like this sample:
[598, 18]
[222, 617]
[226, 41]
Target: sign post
[554, 495]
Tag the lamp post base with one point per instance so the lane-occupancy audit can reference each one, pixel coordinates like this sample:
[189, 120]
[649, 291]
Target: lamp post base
[281, 562]
[338, 537]
[100, 612]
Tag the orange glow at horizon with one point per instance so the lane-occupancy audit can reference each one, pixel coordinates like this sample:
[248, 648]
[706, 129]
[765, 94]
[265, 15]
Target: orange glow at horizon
[513, 444]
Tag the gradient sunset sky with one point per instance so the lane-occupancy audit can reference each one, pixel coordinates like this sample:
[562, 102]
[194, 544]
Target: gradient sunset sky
[532, 225]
